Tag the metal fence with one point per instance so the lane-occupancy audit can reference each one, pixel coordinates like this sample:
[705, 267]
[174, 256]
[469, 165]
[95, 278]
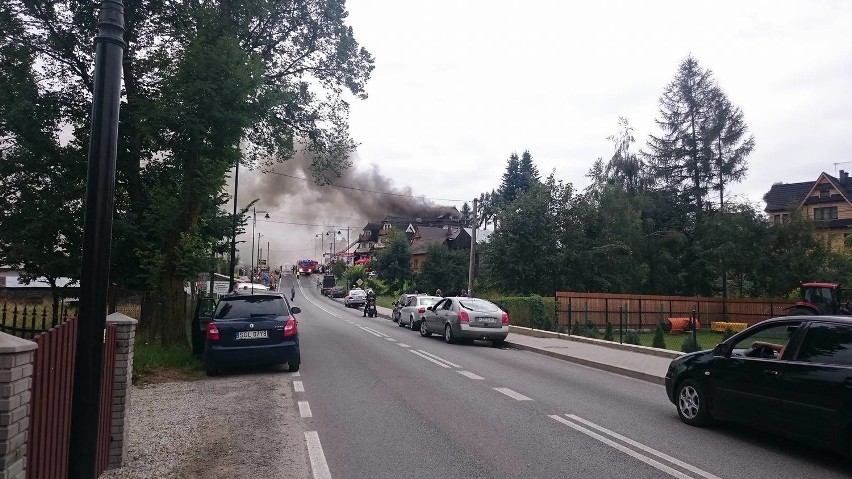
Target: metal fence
[27, 321]
[645, 311]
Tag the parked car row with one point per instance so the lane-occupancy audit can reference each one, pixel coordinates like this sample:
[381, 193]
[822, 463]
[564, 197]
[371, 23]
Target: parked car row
[456, 318]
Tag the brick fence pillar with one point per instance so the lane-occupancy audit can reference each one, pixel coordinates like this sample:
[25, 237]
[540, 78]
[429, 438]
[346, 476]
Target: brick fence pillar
[125, 335]
[16, 382]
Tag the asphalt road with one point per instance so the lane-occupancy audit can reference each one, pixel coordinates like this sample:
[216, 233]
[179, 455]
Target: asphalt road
[387, 403]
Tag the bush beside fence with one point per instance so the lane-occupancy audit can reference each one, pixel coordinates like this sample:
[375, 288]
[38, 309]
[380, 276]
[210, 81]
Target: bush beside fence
[530, 311]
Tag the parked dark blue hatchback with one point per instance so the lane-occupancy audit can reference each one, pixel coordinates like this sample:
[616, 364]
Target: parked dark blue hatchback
[252, 329]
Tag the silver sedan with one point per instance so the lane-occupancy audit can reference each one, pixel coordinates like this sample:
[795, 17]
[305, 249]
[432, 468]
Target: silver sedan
[466, 319]
[412, 313]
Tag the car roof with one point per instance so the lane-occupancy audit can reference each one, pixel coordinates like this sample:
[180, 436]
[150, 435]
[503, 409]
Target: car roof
[827, 318]
[257, 294]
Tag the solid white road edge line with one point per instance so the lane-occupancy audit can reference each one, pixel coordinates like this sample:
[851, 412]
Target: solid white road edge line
[296, 374]
[319, 305]
[319, 467]
[403, 345]
[305, 409]
[622, 448]
[661, 455]
[512, 394]
[429, 359]
[470, 375]
[439, 358]
[298, 386]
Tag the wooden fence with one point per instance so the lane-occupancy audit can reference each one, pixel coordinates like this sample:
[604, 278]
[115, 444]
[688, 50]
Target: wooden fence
[644, 311]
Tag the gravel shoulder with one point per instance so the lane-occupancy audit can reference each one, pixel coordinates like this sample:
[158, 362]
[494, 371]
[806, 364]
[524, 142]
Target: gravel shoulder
[242, 425]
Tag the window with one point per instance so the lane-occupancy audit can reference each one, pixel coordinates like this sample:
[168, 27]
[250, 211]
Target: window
[824, 193]
[778, 334]
[780, 218]
[827, 344]
[825, 214]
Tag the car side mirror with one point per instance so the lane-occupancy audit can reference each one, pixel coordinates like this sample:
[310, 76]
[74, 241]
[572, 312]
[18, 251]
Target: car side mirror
[722, 349]
[430, 308]
[295, 309]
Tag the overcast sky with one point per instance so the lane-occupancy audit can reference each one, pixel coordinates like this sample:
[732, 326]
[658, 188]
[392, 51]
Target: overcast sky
[459, 85]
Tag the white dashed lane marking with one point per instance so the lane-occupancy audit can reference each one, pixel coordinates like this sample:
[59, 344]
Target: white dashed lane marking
[298, 386]
[305, 409]
[319, 466]
[512, 394]
[403, 345]
[439, 358]
[391, 340]
[429, 359]
[296, 374]
[470, 375]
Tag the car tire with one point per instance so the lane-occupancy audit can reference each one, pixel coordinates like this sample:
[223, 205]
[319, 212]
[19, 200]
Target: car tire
[293, 367]
[692, 404]
[498, 343]
[399, 323]
[210, 371]
[424, 331]
[448, 334]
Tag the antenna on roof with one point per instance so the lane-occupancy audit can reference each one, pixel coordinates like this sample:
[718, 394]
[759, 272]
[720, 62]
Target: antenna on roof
[840, 163]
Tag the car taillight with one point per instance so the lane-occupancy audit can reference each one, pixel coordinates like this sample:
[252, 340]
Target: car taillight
[212, 331]
[290, 327]
[463, 317]
[505, 317]
[421, 310]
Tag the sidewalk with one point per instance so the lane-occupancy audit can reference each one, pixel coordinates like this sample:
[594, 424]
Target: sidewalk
[638, 362]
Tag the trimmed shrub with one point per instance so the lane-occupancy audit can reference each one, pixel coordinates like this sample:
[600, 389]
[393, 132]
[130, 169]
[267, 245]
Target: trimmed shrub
[529, 311]
[575, 329]
[659, 340]
[690, 345]
[631, 337]
[608, 332]
[591, 330]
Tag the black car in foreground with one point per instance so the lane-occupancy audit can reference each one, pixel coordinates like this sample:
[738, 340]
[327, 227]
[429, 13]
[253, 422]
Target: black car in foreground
[252, 330]
[791, 376]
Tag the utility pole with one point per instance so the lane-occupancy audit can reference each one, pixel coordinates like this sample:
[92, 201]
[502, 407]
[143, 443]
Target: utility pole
[97, 243]
[472, 252]
[231, 281]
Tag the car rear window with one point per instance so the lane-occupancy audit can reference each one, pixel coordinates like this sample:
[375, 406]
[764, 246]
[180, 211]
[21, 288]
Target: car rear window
[427, 301]
[248, 306]
[479, 305]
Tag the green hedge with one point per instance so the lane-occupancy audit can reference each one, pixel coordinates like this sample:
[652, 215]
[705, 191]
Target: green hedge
[529, 311]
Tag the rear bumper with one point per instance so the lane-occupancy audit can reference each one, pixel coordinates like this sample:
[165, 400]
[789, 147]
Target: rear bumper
[355, 303]
[466, 331]
[219, 356]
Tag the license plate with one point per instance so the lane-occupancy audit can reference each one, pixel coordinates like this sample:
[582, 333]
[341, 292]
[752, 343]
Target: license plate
[487, 320]
[252, 335]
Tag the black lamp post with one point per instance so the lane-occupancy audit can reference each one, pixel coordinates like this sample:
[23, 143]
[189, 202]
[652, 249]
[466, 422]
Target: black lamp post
[97, 241]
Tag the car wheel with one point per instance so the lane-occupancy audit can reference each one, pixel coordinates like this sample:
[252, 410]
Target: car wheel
[210, 371]
[400, 323]
[293, 367]
[692, 406]
[423, 330]
[448, 334]
[498, 343]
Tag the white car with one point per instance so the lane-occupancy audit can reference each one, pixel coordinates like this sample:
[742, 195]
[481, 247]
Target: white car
[412, 313]
[355, 298]
[249, 287]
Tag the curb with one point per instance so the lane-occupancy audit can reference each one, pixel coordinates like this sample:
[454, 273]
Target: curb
[538, 333]
[592, 364]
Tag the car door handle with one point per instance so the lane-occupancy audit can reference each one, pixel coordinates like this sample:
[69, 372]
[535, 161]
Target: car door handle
[771, 372]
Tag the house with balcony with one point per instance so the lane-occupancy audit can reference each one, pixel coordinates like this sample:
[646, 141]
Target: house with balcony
[453, 237]
[374, 235]
[826, 201]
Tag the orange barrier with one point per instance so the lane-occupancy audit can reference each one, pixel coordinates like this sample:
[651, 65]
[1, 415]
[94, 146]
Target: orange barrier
[680, 325]
[721, 326]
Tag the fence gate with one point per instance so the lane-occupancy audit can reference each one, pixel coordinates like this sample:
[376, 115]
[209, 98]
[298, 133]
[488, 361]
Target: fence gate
[50, 414]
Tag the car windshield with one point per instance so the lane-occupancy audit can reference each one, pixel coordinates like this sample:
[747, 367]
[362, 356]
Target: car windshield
[480, 305]
[357, 292]
[249, 306]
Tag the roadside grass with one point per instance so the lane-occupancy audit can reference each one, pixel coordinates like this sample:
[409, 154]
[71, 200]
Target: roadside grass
[386, 301]
[706, 339]
[154, 363]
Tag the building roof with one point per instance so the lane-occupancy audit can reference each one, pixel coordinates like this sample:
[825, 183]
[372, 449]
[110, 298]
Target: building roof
[782, 196]
[425, 236]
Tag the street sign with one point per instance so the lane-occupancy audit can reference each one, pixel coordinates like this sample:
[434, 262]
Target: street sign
[219, 287]
[262, 262]
[359, 282]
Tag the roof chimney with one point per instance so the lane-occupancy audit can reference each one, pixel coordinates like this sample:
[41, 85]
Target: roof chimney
[844, 176]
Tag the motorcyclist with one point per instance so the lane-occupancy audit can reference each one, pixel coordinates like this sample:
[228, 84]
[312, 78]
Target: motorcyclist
[371, 301]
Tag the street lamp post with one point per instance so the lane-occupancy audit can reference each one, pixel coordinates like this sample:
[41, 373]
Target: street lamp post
[253, 225]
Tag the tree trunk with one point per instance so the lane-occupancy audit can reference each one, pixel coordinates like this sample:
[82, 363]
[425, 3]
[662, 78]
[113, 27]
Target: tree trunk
[173, 321]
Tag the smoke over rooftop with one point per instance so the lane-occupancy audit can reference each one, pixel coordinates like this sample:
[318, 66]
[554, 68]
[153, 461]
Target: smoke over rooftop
[300, 209]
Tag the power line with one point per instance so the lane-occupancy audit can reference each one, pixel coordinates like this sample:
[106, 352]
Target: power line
[368, 191]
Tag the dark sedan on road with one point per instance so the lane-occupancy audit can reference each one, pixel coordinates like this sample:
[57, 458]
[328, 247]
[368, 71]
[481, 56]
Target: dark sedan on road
[791, 376]
[337, 292]
[466, 319]
[252, 330]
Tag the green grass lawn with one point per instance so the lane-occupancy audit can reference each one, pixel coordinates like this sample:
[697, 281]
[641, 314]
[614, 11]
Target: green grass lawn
[706, 339]
[155, 363]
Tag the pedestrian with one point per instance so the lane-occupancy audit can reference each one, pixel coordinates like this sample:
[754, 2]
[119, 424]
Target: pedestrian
[292, 293]
[463, 293]
[439, 293]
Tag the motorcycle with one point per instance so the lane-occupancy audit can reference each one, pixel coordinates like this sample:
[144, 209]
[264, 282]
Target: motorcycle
[370, 308]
